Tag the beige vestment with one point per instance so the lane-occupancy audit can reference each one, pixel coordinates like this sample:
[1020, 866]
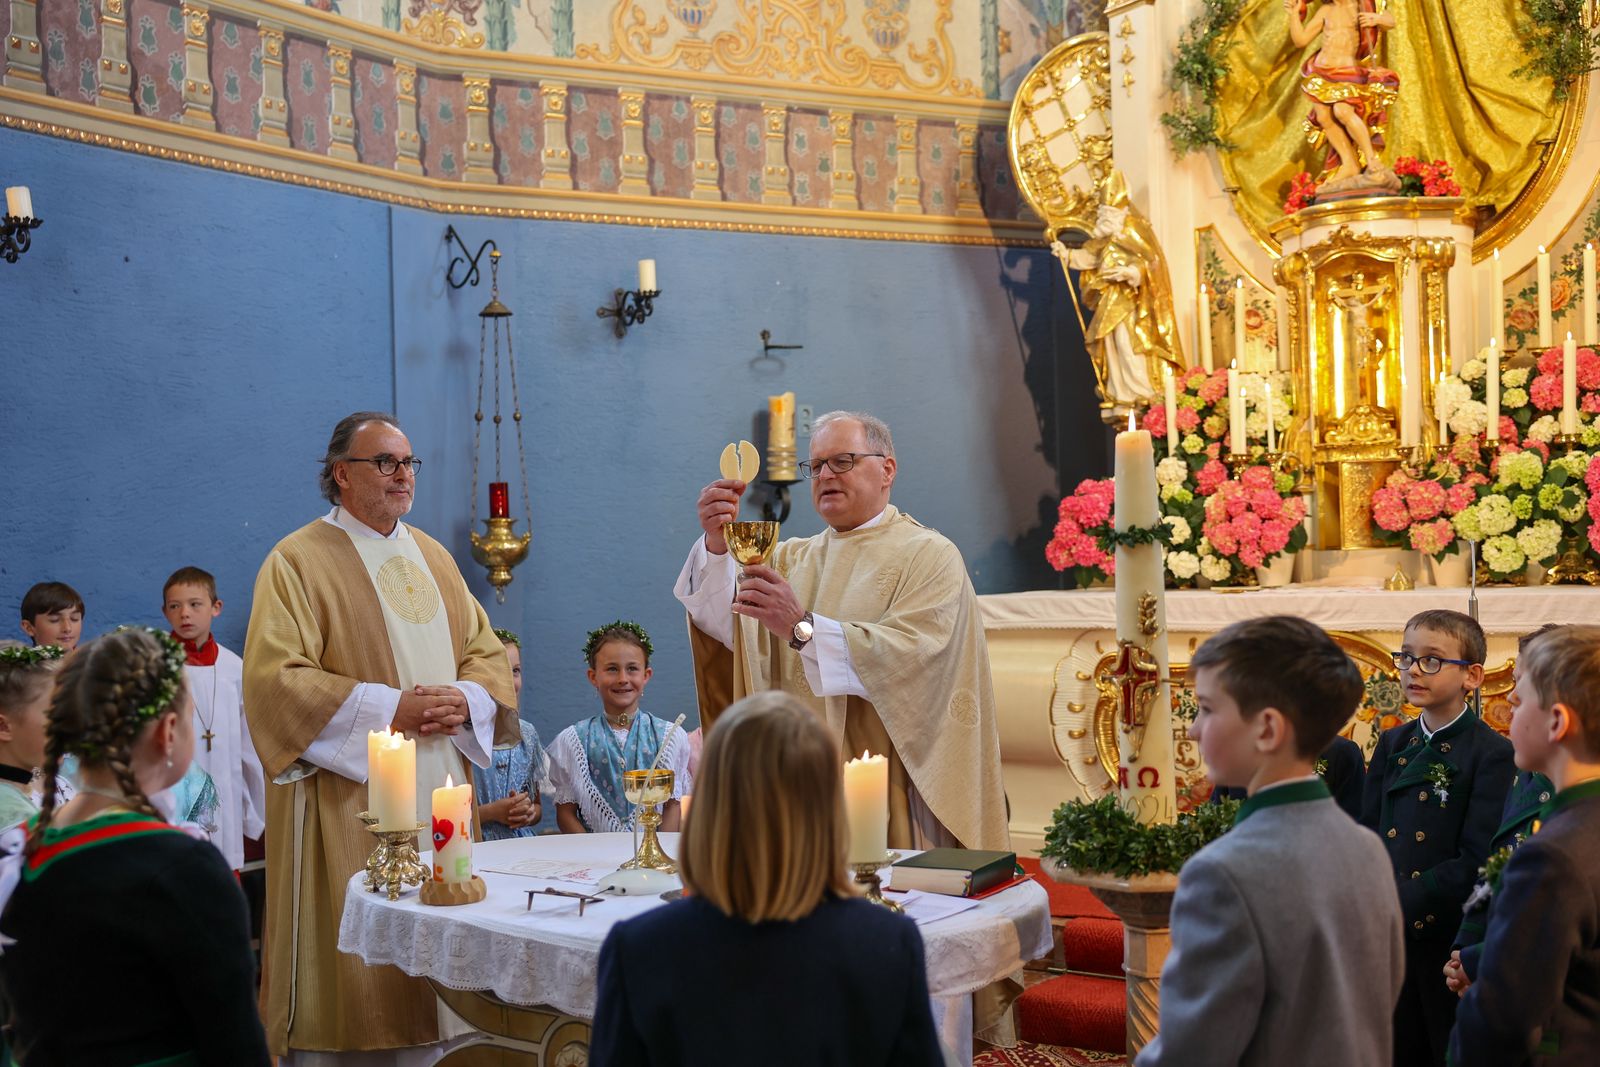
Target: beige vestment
[910, 619]
[317, 630]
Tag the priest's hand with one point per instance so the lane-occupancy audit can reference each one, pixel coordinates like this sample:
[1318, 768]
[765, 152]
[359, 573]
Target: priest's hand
[719, 504]
[765, 596]
[430, 710]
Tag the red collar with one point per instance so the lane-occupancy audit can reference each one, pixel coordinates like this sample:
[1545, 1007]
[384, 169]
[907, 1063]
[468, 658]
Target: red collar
[204, 656]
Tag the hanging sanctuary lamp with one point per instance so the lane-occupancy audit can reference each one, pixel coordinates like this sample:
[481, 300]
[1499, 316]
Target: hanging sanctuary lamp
[498, 548]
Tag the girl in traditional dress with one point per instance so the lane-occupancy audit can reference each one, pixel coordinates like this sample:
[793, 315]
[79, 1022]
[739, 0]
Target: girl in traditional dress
[25, 677]
[587, 758]
[508, 790]
[104, 880]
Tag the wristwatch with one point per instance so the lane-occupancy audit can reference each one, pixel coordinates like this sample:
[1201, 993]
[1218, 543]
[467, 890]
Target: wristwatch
[801, 635]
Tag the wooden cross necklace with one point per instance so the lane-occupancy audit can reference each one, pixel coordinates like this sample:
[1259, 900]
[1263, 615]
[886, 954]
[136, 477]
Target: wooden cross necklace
[208, 735]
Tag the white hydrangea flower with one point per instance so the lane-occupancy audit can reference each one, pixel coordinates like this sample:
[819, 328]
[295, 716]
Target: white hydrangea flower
[1193, 443]
[1172, 471]
[1515, 378]
[1183, 565]
[1495, 515]
[1514, 398]
[1473, 369]
[1215, 568]
[1469, 417]
[1504, 555]
[1255, 423]
[1544, 428]
[1204, 547]
[1451, 394]
[1181, 531]
[1539, 540]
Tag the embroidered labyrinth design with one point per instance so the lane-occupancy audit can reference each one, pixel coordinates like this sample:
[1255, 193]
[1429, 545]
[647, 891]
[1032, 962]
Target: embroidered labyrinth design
[964, 707]
[408, 590]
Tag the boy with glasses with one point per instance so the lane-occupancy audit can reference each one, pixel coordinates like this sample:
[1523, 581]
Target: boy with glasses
[1434, 791]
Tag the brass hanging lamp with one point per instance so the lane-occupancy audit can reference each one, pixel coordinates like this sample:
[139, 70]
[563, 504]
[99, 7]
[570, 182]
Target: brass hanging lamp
[499, 548]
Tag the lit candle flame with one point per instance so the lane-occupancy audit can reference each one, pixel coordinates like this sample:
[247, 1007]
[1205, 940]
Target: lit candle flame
[1130, 422]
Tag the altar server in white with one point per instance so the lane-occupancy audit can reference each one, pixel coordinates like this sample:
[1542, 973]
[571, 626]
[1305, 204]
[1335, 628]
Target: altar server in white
[222, 745]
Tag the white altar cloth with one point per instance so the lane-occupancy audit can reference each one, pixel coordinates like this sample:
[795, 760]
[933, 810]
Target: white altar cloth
[1353, 609]
[549, 955]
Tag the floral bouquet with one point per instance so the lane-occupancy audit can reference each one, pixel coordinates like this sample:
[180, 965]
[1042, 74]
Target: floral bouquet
[1529, 508]
[1416, 179]
[1084, 518]
[1248, 522]
[1414, 509]
[1530, 398]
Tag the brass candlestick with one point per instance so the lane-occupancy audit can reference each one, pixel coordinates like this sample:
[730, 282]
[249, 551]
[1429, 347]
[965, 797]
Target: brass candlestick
[394, 863]
[1237, 461]
[647, 790]
[867, 875]
[1568, 441]
[379, 854]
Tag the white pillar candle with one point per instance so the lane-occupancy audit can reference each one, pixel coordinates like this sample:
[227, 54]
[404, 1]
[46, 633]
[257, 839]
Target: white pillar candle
[647, 276]
[1238, 325]
[1145, 779]
[1544, 298]
[1497, 298]
[866, 807]
[1444, 425]
[1493, 357]
[1236, 440]
[1205, 329]
[374, 739]
[1281, 304]
[19, 202]
[1272, 429]
[1170, 389]
[1569, 385]
[393, 783]
[1588, 294]
[452, 832]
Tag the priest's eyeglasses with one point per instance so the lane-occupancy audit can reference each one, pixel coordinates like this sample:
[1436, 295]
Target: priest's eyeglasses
[843, 462]
[1425, 664]
[387, 465]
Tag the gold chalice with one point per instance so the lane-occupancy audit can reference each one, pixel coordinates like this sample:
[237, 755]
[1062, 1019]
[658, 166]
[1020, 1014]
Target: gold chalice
[647, 791]
[751, 542]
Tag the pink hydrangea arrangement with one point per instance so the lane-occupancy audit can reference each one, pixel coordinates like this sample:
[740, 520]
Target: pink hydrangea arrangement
[1248, 521]
[1082, 518]
[1413, 509]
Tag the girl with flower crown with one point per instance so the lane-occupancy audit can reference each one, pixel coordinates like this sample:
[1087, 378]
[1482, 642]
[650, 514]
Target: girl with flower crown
[25, 677]
[587, 758]
[104, 878]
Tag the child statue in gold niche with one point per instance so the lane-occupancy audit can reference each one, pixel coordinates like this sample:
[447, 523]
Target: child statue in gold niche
[1350, 94]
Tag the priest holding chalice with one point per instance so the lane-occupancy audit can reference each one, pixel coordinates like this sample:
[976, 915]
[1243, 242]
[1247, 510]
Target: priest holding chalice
[873, 623]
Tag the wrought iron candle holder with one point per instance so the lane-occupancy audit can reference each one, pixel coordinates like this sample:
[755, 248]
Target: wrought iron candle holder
[867, 875]
[15, 236]
[630, 307]
[394, 863]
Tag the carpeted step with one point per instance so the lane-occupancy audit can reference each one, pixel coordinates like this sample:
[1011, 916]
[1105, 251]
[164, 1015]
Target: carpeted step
[1079, 1011]
[1092, 945]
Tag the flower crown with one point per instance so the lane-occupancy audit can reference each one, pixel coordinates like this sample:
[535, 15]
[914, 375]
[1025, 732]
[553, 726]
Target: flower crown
[597, 637]
[508, 637]
[31, 657]
[171, 681]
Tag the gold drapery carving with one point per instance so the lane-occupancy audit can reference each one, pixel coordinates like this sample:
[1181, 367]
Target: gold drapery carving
[1458, 102]
[799, 40]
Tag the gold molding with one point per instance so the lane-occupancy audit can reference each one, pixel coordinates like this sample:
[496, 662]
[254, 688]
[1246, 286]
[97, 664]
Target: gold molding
[1371, 208]
[168, 141]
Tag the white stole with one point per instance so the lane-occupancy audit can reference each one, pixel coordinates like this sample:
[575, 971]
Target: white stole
[419, 635]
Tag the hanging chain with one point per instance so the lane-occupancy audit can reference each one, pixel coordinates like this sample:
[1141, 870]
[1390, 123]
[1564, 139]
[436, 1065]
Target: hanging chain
[516, 418]
[477, 436]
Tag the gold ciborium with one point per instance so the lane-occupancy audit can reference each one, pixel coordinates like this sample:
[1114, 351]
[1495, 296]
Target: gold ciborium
[647, 791]
[499, 550]
[751, 542]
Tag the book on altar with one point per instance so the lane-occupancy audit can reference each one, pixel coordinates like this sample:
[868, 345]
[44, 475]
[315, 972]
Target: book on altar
[955, 872]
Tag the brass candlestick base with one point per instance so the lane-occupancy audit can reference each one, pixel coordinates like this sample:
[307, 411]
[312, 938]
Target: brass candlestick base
[447, 894]
[867, 875]
[394, 863]
[379, 854]
[1573, 566]
[1568, 441]
[648, 790]
[1238, 461]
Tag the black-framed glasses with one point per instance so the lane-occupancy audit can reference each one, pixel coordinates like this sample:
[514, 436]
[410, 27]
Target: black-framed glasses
[387, 465]
[843, 462]
[1425, 664]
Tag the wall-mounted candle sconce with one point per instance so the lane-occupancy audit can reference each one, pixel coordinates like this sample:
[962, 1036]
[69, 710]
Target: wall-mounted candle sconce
[17, 223]
[632, 306]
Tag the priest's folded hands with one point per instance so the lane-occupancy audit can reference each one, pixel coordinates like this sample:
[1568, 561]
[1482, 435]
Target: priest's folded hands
[430, 710]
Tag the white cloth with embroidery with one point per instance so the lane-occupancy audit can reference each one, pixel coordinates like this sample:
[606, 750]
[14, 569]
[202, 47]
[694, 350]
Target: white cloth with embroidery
[549, 954]
[570, 782]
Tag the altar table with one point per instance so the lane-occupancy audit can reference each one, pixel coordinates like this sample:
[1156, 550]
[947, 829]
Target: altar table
[1043, 647]
[526, 979]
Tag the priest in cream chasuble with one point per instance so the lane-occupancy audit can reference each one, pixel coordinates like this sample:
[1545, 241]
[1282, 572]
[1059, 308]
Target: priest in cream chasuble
[359, 623]
[874, 624]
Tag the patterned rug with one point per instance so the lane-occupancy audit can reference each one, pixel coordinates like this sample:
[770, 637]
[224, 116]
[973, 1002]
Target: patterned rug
[1030, 1055]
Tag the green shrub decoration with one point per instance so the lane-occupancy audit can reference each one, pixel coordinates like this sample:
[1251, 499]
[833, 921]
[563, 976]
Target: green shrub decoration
[1103, 837]
[1558, 46]
[1197, 69]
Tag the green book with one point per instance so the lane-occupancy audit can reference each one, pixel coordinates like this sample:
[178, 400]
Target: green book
[955, 872]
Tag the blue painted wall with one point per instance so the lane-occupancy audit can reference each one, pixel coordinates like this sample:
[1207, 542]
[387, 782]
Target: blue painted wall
[190, 337]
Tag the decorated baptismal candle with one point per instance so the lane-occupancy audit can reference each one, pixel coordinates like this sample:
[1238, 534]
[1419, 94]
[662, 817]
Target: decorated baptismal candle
[452, 832]
[866, 808]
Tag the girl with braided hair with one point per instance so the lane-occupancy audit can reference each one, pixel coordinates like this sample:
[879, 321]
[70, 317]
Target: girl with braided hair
[137, 918]
[25, 677]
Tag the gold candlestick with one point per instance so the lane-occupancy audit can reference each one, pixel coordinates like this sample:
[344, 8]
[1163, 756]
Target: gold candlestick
[394, 863]
[647, 790]
[1238, 461]
[867, 875]
[379, 854]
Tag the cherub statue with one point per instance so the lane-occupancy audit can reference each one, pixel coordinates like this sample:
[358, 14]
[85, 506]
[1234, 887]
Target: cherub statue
[1126, 285]
[1350, 94]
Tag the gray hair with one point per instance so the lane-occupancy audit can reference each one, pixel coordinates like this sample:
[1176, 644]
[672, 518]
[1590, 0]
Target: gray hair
[878, 437]
[339, 446]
